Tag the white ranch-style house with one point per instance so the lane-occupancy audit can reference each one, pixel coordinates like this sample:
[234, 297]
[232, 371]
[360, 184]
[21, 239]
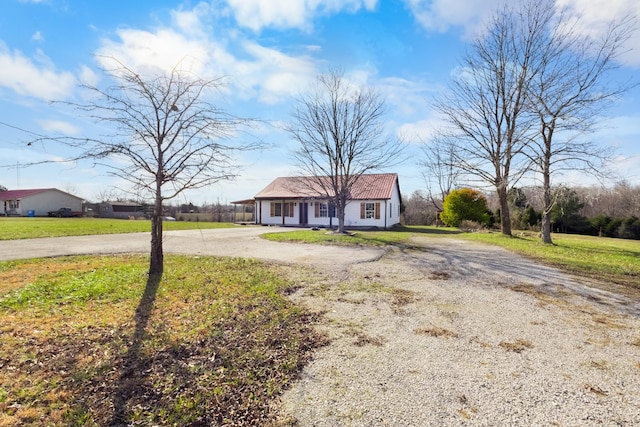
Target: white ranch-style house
[37, 202]
[374, 201]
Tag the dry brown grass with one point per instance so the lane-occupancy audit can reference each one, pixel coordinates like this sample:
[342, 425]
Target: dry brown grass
[544, 296]
[517, 346]
[361, 339]
[595, 390]
[606, 320]
[208, 351]
[400, 299]
[435, 331]
[439, 275]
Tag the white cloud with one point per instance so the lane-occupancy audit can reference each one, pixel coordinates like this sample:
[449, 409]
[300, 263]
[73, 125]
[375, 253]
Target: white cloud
[256, 71]
[59, 126]
[37, 36]
[421, 130]
[163, 50]
[628, 168]
[87, 76]
[596, 15]
[471, 15]
[191, 21]
[257, 14]
[273, 74]
[441, 15]
[406, 97]
[37, 78]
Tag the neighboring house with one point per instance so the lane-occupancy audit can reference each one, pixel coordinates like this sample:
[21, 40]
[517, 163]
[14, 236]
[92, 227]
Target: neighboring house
[374, 202]
[121, 210]
[37, 202]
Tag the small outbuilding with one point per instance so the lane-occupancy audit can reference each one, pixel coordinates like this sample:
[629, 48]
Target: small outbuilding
[121, 210]
[374, 201]
[37, 202]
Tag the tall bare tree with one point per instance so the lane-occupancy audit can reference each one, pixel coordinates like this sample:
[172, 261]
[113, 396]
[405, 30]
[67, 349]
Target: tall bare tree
[485, 108]
[567, 95]
[164, 136]
[340, 132]
[439, 170]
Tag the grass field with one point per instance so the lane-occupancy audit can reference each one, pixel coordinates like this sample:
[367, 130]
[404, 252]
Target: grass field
[90, 341]
[29, 228]
[602, 258]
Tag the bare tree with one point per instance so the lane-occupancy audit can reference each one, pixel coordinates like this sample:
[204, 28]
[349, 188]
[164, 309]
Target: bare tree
[341, 136]
[419, 210]
[439, 170]
[165, 136]
[487, 123]
[569, 91]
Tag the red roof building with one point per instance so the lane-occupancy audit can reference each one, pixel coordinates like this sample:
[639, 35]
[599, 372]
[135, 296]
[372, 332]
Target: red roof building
[374, 201]
[37, 202]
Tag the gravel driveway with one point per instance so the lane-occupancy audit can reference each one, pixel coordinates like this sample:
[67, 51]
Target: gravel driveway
[236, 242]
[456, 334]
[448, 333]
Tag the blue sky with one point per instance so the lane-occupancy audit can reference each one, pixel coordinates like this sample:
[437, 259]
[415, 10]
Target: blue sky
[269, 52]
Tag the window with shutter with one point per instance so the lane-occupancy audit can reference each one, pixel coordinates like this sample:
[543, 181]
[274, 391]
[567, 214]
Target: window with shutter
[324, 210]
[371, 210]
[276, 209]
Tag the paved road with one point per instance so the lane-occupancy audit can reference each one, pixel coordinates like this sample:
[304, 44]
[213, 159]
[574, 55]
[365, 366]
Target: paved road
[235, 242]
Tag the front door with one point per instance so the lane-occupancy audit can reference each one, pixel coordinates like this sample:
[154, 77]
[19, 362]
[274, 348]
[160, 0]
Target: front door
[304, 213]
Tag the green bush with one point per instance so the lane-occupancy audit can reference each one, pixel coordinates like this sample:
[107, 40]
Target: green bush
[465, 204]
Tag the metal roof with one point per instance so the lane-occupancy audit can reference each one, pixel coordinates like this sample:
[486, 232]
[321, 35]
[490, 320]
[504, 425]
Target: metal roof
[367, 187]
[22, 194]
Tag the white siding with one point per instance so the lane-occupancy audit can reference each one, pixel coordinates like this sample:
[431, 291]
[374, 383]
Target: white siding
[46, 201]
[389, 213]
[264, 213]
[319, 221]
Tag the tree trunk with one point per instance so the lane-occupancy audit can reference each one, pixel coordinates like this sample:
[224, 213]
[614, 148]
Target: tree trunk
[505, 217]
[340, 210]
[545, 234]
[546, 212]
[156, 259]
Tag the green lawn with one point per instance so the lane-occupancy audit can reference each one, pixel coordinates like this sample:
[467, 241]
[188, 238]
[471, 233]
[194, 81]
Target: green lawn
[92, 341]
[615, 260]
[29, 228]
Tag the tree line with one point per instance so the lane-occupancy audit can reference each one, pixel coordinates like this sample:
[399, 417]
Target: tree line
[599, 211]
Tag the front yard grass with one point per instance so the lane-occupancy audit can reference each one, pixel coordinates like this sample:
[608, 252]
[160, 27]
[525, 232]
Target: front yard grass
[93, 341]
[30, 228]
